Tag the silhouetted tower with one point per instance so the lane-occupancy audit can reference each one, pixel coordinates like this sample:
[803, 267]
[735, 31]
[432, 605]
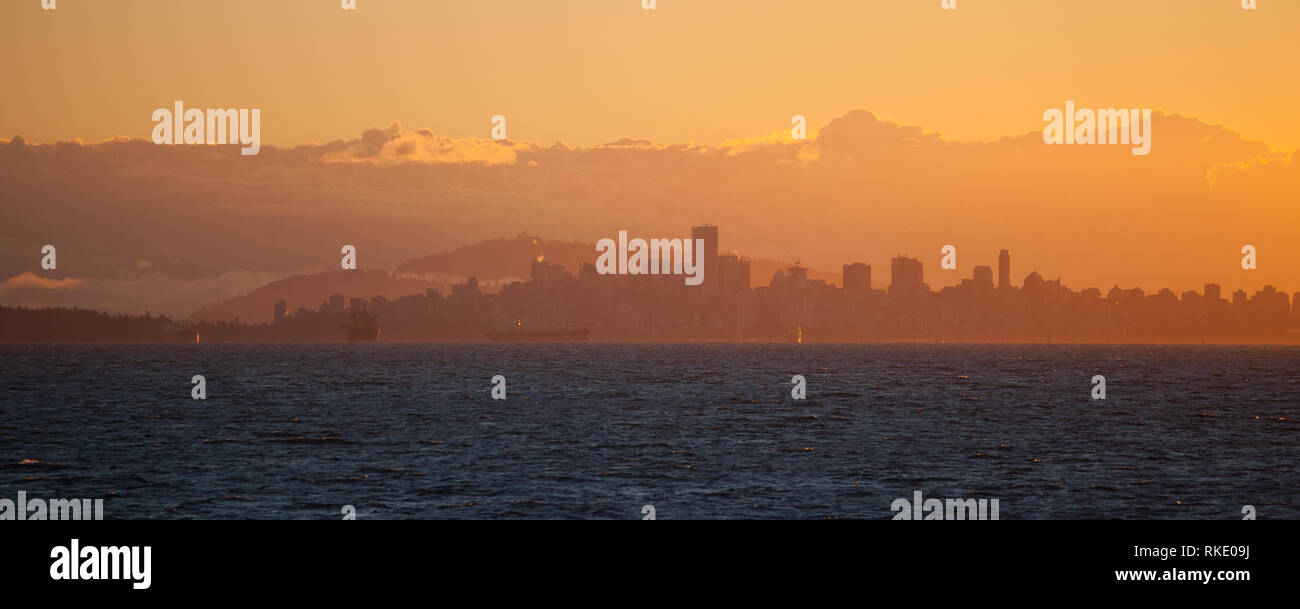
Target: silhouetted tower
[905, 274]
[709, 233]
[1004, 269]
[857, 277]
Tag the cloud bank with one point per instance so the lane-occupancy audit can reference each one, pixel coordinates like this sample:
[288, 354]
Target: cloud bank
[171, 228]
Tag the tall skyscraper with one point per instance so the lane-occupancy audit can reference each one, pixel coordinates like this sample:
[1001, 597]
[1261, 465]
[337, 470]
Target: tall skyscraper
[857, 277]
[709, 233]
[1004, 269]
[741, 275]
[540, 272]
[1213, 292]
[733, 273]
[905, 274]
[984, 276]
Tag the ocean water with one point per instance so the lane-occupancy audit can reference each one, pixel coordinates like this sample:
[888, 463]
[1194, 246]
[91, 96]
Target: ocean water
[590, 430]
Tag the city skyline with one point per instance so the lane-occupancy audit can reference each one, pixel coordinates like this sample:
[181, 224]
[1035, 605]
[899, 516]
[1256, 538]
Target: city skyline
[844, 158]
[36, 283]
[349, 260]
[873, 127]
[862, 187]
[731, 304]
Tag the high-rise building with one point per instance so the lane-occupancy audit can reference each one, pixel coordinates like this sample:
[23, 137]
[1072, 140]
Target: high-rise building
[1213, 292]
[733, 273]
[984, 276]
[905, 274]
[857, 277]
[280, 309]
[709, 233]
[1004, 269]
[538, 273]
[742, 275]
[336, 303]
[796, 273]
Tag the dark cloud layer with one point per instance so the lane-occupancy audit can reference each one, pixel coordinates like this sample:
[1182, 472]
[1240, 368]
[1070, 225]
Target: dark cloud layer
[140, 223]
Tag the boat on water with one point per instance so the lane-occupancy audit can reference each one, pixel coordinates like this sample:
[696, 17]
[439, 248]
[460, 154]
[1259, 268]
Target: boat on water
[535, 335]
[362, 327]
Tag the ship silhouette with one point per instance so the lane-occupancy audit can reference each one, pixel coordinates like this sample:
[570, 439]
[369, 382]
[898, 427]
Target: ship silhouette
[519, 333]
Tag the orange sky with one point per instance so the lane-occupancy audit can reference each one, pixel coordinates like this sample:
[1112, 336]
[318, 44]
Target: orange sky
[929, 124]
[593, 71]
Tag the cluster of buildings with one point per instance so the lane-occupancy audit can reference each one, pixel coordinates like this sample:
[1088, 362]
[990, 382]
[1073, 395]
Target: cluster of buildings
[792, 307]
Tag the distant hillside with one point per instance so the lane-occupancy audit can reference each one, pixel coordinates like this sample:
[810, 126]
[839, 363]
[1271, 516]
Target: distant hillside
[498, 260]
[494, 262]
[501, 260]
[309, 291]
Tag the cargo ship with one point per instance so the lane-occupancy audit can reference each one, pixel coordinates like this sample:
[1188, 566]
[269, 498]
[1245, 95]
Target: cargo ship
[535, 335]
[362, 327]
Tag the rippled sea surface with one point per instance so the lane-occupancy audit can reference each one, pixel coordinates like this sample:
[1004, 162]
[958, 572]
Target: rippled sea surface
[697, 431]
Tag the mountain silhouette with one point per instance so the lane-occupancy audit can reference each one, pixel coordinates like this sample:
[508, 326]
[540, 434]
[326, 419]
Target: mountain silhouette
[498, 260]
[494, 262]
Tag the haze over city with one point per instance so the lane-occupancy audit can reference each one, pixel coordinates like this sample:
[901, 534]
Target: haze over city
[961, 260]
[907, 148]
